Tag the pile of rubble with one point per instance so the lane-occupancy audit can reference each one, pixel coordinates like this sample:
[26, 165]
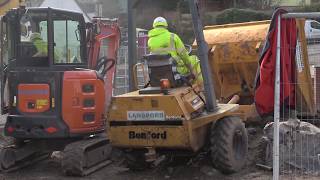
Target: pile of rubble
[299, 146]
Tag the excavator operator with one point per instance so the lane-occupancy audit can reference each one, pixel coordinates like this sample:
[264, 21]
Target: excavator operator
[40, 44]
[162, 41]
[42, 47]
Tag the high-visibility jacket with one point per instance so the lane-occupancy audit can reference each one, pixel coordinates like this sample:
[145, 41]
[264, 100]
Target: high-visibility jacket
[161, 41]
[42, 49]
[41, 46]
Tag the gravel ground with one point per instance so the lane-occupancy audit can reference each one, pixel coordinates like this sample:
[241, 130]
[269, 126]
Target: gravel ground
[199, 169]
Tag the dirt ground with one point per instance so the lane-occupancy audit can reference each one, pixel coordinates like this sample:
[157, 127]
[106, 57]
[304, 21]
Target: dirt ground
[196, 168]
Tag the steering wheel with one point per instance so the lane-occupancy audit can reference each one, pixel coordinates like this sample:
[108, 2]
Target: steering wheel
[102, 66]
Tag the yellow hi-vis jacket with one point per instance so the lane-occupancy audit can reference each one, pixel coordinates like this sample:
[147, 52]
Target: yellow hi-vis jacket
[41, 46]
[161, 41]
[42, 49]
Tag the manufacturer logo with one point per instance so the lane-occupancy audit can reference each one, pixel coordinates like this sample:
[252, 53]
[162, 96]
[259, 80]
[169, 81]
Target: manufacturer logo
[147, 135]
[146, 115]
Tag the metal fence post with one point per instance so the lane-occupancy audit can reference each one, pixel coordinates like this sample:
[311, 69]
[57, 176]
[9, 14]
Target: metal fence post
[277, 107]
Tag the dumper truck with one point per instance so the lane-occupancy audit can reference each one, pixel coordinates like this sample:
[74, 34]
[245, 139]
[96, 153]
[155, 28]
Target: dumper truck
[172, 117]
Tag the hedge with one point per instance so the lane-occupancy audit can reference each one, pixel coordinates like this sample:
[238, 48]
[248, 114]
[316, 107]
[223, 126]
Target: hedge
[234, 15]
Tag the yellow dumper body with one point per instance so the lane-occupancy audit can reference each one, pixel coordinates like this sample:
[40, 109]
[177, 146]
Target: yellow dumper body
[233, 57]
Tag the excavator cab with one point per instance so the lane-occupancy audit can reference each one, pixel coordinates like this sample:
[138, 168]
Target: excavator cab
[51, 89]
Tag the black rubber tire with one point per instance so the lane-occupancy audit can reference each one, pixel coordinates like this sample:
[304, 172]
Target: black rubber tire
[229, 144]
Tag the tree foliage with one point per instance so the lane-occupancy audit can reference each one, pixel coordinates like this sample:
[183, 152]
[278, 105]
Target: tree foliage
[311, 8]
[241, 15]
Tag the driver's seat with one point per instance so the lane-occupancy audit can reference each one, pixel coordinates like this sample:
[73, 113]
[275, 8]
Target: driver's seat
[162, 67]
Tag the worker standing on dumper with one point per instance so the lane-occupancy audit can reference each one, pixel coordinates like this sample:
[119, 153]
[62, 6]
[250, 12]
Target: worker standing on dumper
[162, 41]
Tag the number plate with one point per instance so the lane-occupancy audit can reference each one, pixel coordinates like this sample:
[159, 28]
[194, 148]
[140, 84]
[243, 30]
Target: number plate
[145, 115]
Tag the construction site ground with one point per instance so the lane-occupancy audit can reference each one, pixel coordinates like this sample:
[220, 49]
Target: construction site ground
[195, 168]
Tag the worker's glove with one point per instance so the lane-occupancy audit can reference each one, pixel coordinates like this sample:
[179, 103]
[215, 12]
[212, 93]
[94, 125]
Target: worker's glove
[189, 79]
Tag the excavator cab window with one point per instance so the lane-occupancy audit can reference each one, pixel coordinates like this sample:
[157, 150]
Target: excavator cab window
[33, 45]
[69, 39]
[40, 38]
[67, 42]
[46, 38]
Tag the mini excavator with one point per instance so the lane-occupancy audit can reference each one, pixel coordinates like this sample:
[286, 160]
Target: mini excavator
[56, 80]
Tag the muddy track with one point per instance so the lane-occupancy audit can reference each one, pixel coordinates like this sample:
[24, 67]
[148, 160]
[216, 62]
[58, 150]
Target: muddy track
[196, 168]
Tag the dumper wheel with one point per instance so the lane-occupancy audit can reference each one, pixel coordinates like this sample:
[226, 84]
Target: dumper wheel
[229, 144]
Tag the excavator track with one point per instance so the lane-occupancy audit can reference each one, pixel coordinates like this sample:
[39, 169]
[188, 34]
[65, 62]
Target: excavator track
[86, 156]
[14, 157]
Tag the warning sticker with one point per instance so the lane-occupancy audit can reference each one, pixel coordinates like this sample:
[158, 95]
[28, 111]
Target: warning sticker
[41, 102]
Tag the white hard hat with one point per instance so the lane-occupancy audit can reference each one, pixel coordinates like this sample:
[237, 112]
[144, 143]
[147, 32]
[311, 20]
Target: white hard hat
[160, 21]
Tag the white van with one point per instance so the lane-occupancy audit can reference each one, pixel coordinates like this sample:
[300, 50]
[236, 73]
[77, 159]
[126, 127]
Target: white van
[312, 30]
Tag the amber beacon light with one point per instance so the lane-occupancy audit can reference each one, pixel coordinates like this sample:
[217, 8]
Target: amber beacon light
[165, 84]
